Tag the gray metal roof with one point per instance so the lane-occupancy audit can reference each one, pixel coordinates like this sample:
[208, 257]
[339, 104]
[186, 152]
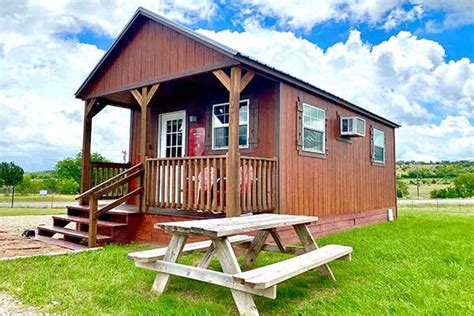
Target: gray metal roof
[236, 55]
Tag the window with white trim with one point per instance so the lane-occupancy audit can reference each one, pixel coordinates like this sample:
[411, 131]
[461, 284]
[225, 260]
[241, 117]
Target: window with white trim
[379, 146]
[220, 125]
[314, 129]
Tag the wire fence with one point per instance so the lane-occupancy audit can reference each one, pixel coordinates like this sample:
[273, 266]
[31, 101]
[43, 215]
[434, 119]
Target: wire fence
[438, 206]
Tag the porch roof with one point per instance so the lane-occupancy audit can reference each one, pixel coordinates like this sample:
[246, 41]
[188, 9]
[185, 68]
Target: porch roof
[236, 56]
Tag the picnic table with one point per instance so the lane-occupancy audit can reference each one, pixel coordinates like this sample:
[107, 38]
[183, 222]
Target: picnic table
[223, 234]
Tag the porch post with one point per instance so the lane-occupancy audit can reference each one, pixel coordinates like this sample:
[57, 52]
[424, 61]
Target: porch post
[235, 84]
[143, 98]
[86, 180]
[233, 153]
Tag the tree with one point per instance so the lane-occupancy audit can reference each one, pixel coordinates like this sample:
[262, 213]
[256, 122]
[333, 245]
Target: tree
[11, 176]
[464, 184]
[402, 189]
[70, 168]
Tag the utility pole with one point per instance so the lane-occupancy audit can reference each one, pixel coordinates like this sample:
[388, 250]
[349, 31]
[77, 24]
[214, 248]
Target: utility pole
[124, 153]
[417, 182]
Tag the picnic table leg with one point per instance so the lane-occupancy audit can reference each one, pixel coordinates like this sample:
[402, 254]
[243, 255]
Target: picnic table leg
[255, 248]
[309, 244]
[228, 261]
[174, 249]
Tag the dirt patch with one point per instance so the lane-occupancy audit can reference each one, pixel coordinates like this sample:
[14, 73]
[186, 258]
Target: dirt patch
[12, 306]
[12, 244]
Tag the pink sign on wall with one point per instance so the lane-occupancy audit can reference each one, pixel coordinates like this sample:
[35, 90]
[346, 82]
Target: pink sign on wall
[197, 141]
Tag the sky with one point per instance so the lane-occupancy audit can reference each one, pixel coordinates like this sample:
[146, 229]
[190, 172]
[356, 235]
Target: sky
[408, 60]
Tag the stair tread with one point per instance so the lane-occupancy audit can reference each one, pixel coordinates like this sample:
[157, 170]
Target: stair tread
[60, 243]
[85, 220]
[73, 233]
[120, 210]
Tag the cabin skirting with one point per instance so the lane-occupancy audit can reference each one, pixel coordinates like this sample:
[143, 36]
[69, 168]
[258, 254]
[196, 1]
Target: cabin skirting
[146, 233]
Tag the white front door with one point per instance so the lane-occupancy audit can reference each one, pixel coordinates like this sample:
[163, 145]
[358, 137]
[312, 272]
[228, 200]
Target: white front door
[172, 134]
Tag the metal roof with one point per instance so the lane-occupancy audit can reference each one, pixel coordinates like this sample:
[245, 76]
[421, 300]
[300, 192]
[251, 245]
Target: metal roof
[234, 54]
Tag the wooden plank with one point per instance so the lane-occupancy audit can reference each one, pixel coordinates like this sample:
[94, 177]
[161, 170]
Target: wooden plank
[273, 274]
[206, 259]
[214, 187]
[221, 184]
[233, 152]
[243, 178]
[309, 244]
[278, 241]
[200, 246]
[209, 187]
[86, 180]
[180, 166]
[223, 78]
[203, 275]
[255, 248]
[201, 184]
[119, 201]
[172, 253]
[229, 264]
[254, 185]
[92, 236]
[246, 79]
[230, 226]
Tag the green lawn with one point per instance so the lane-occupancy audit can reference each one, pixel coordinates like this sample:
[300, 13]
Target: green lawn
[420, 264]
[37, 198]
[21, 211]
[446, 208]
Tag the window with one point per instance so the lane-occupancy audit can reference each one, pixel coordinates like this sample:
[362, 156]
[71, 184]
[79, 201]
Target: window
[379, 146]
[220, 125]
[314, 129]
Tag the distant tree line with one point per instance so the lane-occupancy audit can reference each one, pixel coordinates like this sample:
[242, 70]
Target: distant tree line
[64, 179]
[436, 170]
[462, 187]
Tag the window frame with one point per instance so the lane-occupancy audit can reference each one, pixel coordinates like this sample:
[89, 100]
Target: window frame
[227, 125]
[303, 126]
[374, 131]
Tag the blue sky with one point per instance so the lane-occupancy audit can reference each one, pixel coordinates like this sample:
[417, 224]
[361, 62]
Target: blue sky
[408, 60]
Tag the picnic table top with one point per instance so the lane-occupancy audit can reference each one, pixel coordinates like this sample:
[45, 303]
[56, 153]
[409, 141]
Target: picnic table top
[221, 227]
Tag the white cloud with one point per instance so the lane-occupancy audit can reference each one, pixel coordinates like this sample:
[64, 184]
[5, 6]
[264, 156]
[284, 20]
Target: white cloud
[387, 13]
[452, 139]
[40, 120]
[404, 78]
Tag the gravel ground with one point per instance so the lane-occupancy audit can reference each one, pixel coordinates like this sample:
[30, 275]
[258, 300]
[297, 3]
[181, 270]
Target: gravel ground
[12, 306]
[17, 224]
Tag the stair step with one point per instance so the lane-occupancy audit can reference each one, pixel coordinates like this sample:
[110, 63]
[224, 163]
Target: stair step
[85, 220]
[60, 243]
[73, 233]
[120, 210]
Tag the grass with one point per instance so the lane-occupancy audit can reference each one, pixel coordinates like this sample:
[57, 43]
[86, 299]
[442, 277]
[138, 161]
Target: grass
[22, 211]
[418, 264]
[37, 198]
[442, 208]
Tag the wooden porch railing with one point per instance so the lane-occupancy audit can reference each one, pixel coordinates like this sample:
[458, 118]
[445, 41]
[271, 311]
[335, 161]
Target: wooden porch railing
[104, 189]
[103, 171]
[199, 183]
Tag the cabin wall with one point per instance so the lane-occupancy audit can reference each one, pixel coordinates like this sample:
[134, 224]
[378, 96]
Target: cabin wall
[343, 184]
[151, 51]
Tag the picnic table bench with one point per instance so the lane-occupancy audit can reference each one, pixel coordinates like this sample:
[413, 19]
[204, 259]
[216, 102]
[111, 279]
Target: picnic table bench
[224, 233]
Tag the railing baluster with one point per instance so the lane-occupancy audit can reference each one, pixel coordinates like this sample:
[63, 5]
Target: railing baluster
[221, 184]
[209, 182]
[214, 184]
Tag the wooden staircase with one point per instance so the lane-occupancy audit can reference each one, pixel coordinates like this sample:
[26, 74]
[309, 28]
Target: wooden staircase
[97, 224]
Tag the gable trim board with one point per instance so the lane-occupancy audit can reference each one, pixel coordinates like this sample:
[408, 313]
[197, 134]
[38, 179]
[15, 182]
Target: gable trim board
[233, 55]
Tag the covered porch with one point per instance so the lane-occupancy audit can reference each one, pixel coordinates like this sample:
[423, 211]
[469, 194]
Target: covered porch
[178, 159]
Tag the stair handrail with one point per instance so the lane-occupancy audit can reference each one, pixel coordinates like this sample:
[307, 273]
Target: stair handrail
[104, 188]
[109, 181]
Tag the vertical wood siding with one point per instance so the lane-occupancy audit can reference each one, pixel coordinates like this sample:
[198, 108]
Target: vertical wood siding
[151, 51]
[345, 181]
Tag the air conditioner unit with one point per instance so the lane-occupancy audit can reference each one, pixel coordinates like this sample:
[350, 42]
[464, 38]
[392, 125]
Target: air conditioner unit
[352, 126]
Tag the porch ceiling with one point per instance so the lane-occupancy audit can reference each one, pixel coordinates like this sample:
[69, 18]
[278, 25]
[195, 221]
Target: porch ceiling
[187, 85]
